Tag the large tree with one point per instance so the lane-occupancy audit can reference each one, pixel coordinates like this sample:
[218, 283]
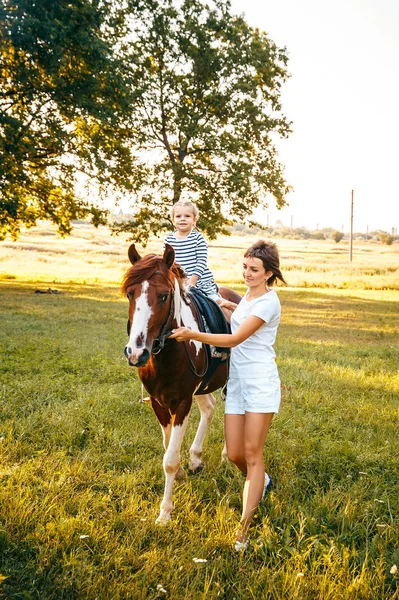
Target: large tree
[163, 99]
[62, 95]
[205, 115]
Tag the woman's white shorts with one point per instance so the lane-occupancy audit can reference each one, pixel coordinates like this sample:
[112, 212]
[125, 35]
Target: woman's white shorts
[260, 395]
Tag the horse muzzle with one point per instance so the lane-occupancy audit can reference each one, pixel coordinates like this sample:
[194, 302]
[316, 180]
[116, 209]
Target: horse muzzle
[136, 357]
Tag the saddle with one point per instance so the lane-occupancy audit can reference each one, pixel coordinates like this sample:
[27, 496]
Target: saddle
[212, 321]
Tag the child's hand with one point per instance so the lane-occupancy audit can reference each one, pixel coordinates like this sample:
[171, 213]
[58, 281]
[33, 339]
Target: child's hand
[181, 334]
[192, 281]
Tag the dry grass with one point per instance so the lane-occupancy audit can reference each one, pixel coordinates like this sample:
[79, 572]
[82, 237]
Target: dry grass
[94, 256]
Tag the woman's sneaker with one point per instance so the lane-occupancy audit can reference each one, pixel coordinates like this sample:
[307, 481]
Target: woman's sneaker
[267, 486]
[241, 546]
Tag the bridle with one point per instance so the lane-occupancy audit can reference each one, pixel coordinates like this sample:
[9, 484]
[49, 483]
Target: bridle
[165, 332]
[159, 342]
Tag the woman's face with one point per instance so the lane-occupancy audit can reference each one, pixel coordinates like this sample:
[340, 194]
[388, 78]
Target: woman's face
[254, 272]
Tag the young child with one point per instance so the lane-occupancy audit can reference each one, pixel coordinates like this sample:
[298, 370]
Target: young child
[253, 391]
[191, 248]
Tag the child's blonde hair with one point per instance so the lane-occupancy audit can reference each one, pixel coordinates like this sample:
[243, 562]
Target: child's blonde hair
[185, 203]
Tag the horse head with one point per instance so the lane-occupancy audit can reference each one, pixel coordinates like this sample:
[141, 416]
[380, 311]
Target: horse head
[153, 286]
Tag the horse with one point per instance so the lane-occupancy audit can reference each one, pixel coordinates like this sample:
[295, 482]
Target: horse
[171, 372]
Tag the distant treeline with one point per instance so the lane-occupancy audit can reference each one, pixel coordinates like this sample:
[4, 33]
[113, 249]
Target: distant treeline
[302, 233]
[295, 233]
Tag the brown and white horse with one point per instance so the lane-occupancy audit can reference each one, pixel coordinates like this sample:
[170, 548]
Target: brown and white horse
[171, 372]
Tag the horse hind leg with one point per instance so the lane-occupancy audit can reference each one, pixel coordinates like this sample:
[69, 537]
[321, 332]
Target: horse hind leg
[171, 465]
[206, 404]
[224, 456]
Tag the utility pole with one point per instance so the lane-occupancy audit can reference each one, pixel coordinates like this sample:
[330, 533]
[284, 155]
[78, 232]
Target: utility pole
[351, 231]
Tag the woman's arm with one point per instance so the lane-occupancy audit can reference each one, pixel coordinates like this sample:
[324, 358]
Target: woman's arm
[225, 340]
[227, 304]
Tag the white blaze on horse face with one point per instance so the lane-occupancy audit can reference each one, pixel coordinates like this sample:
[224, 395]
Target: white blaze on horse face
[141, 317]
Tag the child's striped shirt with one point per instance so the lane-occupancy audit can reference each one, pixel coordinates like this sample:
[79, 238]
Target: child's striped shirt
[192, 255]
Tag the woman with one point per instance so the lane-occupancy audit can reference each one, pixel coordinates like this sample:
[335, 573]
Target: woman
[253, 391]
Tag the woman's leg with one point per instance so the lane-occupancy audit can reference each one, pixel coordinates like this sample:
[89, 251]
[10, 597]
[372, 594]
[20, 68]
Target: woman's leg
[256, 427]
[234, 426]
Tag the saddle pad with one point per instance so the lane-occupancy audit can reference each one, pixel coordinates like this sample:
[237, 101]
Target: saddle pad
[215, 322]
[210, 311]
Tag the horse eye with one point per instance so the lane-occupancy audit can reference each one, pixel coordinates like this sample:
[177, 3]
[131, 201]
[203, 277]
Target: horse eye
[163, 298]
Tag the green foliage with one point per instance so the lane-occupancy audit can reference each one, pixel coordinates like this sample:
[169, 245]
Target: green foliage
[386, 238]
[61, 101]
[206, 104]
[81, 461]
[337, 236]
[317, 235]
[155, 99]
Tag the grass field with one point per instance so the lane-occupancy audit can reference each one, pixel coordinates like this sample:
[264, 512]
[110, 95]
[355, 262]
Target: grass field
[81, 458]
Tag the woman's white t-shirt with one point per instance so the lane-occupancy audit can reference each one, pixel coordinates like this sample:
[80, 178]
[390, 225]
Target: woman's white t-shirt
[255, 357]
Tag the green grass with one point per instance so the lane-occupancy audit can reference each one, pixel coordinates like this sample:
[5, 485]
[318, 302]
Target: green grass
[81, 474]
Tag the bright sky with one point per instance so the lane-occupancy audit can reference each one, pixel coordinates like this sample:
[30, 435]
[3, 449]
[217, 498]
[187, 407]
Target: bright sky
[343, 99]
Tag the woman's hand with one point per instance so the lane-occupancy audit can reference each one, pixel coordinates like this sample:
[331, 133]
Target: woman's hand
[181, 334]
[227, 304]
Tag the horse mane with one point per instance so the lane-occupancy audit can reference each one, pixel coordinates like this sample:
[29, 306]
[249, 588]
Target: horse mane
[145, 267]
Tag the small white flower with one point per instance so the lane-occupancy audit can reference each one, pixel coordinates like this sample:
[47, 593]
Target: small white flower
[84, 537]
[300, 575]
[200, 560]
[161, 589]
[393, 570]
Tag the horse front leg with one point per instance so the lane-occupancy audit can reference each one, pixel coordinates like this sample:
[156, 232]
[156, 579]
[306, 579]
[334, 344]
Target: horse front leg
[206, 404]
[164, 419]
[166, 433]
[171, 465]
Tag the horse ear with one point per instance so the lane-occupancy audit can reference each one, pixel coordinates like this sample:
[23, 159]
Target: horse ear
[133, 255]
[168, 256]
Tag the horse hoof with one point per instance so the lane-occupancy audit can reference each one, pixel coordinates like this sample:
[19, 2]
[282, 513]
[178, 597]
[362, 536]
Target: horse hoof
[163, 520]
[180, 475]
[198, 469]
